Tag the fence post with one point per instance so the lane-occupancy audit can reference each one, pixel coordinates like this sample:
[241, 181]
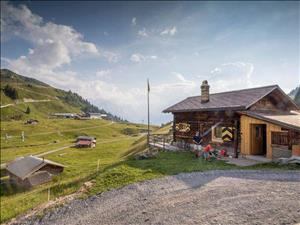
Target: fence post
[48, 194]
[23, 136]
[98, 165]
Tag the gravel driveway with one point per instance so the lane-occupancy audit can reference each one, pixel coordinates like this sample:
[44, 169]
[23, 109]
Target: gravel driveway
[214, 197]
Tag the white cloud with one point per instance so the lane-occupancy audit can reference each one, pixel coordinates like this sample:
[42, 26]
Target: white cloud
[179, 76]
[169, 31]
[103, 73]
[133, 21]
[153, 57]
[183, 80]
[54, 45]
[215, 70]
[143, 33]
[111, 56]
[233, 75]
[5, 60]
[137, 57]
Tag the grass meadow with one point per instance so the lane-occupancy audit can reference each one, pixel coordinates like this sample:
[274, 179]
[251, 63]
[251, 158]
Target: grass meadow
[116, 145]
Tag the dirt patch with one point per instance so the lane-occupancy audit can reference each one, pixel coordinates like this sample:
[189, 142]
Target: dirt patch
[214, 197]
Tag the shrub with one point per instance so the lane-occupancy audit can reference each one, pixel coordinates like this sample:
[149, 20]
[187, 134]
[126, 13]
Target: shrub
[10, 92]
[28, 110]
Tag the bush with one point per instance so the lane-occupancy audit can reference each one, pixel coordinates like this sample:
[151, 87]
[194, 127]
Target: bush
[130, 131]
[28, 110]
[10, 92]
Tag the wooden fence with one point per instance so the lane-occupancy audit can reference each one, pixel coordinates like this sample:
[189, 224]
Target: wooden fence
[287, 138]
[162, 139]
[280, 138]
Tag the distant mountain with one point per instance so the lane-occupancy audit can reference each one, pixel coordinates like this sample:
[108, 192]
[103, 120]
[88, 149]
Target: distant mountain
[295, 94]
[19, 92]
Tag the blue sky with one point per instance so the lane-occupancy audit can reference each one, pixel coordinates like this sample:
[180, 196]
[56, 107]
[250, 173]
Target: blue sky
[105, 51]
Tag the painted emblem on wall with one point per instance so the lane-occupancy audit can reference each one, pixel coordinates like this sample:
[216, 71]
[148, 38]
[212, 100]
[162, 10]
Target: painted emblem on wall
[183, 127]
[227, 134]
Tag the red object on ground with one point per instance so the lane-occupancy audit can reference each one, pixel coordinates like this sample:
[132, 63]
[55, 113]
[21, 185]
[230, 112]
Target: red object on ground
[207, 148]
[84, 143]
[223, 152]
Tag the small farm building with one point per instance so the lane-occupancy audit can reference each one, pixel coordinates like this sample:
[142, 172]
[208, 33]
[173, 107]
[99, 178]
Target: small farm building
[85, 142]
[261, 121]
[30, 170]
[64, 115]
[96, 115]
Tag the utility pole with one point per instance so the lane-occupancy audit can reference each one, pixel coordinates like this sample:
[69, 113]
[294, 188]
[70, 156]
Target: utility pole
[148, 91]
[23, 136]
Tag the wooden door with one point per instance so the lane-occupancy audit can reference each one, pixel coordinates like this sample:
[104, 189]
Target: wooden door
[257, 139]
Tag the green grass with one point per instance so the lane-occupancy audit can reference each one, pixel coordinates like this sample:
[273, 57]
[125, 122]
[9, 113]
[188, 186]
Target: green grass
[116, 145]
[115, 141]
[164, 130]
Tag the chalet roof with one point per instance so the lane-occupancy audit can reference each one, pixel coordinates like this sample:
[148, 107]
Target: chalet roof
[84, 142]
[234, 100]
[23, 167]
[89, 138]
[290, 120]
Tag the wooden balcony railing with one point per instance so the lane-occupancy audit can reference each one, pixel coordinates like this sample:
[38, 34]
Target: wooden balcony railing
[280, 138]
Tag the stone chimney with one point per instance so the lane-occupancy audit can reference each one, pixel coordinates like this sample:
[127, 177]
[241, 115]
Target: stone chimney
[204, 91]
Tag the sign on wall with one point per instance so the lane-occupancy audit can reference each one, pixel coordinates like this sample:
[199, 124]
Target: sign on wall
[183, 127]
[227, 134]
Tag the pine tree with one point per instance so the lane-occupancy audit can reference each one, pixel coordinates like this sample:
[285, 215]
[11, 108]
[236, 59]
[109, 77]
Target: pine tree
[28, 110]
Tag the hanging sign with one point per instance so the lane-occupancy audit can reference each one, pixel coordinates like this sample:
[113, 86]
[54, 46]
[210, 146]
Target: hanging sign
[183, 127]
[227, 134]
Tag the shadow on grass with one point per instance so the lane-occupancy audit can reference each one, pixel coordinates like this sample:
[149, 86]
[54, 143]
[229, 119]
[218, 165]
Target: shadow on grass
[8, 188]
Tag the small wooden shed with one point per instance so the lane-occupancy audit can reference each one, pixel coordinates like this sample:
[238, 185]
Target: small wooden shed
[31, 171]
[85, 142]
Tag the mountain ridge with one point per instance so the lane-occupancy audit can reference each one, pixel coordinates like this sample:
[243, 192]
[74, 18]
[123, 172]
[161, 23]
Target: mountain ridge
[295, 95]
[31, 91]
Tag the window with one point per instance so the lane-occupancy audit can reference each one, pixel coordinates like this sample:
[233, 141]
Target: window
[217, 134]
[257, 132]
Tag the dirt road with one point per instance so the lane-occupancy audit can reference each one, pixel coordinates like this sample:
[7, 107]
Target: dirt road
[214, 197]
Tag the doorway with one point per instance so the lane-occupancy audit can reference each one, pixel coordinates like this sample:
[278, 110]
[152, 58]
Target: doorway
[258, 139]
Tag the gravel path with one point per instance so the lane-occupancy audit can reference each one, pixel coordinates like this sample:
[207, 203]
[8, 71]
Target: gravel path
[213, 197]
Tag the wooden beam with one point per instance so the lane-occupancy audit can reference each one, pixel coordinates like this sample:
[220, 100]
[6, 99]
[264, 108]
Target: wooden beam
[236, 138]
[173, 127]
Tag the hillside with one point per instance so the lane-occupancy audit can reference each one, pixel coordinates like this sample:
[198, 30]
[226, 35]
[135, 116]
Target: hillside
[295, 94]
[19, 92]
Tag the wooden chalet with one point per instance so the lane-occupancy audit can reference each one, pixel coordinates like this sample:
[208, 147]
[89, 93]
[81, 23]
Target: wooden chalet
[31, 171]
[258, 121]
[85, 142]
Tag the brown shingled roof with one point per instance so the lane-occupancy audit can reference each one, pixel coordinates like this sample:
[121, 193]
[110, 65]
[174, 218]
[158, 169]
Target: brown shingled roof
[24, 166]
[235, 100]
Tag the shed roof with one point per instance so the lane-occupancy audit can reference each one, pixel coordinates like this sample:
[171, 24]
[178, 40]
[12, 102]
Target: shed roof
[234, 100]
[25, 166]
[90, 138]
[84, 142]
[290, 120]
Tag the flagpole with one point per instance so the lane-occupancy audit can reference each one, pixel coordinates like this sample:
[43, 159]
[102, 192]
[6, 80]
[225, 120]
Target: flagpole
[148, 136]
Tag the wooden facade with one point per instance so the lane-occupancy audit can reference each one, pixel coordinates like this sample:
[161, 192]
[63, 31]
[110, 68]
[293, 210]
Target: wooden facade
[251, 135]
[248, 136]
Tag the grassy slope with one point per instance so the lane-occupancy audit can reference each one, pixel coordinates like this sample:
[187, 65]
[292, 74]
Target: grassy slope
[164, 130]
[39, 110]
[28, 88]
[112, 147]
[114, 150]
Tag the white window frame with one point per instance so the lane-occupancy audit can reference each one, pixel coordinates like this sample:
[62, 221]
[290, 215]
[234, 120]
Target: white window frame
[213, 136]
